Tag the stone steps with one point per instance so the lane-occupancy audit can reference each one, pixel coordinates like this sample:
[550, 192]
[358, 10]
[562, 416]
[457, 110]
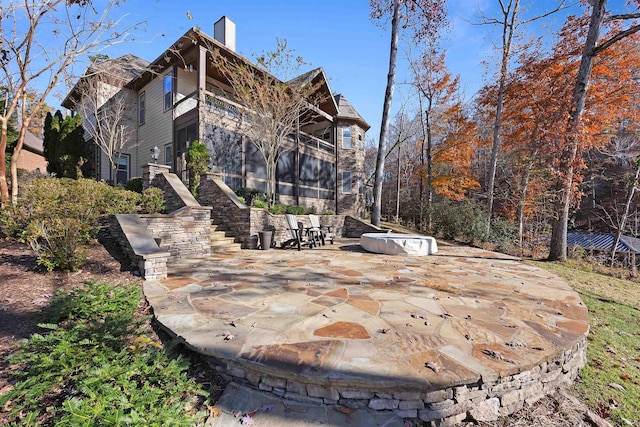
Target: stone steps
[222, 244]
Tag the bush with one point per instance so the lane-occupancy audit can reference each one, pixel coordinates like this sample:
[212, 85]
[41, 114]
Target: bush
[134, 184]
[295, 210]
[59, 217]
[251, 195]
[278, 209]
[197, 159]
[459, 220]
[152, 201]
[261, 204]
[503, 234]
[96, 366]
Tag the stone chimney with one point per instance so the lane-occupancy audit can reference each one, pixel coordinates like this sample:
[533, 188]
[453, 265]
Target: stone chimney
[224, 31]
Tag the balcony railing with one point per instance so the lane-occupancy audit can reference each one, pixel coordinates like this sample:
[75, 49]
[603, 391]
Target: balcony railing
[223, 106]
[317, 143]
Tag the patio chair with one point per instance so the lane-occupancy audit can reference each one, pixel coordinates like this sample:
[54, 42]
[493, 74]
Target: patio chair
[318, 231]
[298, 237]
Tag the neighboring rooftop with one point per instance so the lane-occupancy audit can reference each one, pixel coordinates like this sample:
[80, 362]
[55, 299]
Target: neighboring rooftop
[33, 143]
[603, 242]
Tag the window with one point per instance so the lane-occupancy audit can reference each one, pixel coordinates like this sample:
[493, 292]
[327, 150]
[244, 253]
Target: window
[360, 140]
[346, 137]
[360, 184]
[346, 182]
[168, 91]
[168, 155]
[141, 108]
[122, 168]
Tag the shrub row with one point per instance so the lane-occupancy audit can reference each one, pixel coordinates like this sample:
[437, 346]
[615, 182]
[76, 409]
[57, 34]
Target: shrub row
[258, 199]
[467, 222]
[58, 217]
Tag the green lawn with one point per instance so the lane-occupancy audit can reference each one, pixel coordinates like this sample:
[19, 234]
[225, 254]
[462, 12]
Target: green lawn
[610, 382]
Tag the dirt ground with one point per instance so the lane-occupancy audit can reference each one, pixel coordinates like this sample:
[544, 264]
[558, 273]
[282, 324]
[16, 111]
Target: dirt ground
[25, 293]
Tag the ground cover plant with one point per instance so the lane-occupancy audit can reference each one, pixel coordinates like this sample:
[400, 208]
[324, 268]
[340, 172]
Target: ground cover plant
[610, 382]
[94, 364]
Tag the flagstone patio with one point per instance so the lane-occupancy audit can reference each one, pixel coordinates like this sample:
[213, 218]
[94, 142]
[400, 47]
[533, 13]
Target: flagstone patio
[464, 333]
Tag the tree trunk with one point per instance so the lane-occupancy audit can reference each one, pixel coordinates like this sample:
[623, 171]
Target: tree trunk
[398, 189]
[625, 214]
[507, 35]
[558, 244]
[521, 203]
[429, 169]
[384, 126]
[4, 189]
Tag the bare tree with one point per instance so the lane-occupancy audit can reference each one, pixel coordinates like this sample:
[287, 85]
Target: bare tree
[72, 28]
[272, 109]
[426, 17]
[105, 107]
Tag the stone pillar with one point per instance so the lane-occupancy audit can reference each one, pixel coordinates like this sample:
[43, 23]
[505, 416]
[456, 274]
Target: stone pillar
[149, 171]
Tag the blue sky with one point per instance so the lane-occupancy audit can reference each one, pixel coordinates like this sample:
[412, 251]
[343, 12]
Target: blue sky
[334, 34]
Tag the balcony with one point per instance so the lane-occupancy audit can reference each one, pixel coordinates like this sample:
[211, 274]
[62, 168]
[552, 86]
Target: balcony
[316, 143]
[222, 105]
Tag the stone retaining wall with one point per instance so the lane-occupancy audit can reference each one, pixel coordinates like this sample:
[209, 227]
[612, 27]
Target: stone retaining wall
[354, 227]
[185, 233]
[138, 244]
[482, 401]
[242, 222]
[234, 217]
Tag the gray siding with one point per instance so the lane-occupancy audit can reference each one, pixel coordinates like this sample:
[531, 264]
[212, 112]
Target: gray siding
[158, 127]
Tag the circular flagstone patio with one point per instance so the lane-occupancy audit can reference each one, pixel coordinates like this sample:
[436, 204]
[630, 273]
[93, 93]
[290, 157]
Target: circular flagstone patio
[464, 333]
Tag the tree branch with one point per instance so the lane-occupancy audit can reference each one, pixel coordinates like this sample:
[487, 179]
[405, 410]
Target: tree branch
[619, 36]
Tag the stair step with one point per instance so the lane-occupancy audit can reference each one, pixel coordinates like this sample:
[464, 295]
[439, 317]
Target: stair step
[218, 234]
[218, 243]
[225, 249]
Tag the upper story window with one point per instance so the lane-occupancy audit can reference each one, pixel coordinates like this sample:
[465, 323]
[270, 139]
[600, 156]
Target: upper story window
[168, 91]
[141, 108]
[346, 137]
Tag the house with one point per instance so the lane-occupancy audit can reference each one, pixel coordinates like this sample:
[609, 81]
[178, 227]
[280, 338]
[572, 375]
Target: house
[31, 157]
[182, 96]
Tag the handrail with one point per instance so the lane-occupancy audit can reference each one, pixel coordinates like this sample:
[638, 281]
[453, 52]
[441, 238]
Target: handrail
[223, 105]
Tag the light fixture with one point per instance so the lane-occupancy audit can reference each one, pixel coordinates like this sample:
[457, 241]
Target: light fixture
[155, 153]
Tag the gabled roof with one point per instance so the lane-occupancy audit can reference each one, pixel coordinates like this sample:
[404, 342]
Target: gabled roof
[124, 68]
[33, 143]
[317, 76]
[346, 111]
[603, 242]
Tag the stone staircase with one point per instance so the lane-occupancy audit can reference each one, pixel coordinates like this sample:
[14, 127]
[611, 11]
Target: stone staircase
[220, 243]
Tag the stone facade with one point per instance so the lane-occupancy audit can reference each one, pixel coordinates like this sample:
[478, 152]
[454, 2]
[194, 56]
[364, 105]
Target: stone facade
[482, 401]
[351, 160]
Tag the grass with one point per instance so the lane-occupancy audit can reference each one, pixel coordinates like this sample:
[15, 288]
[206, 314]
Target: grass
[96, 365]
[613, 348]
